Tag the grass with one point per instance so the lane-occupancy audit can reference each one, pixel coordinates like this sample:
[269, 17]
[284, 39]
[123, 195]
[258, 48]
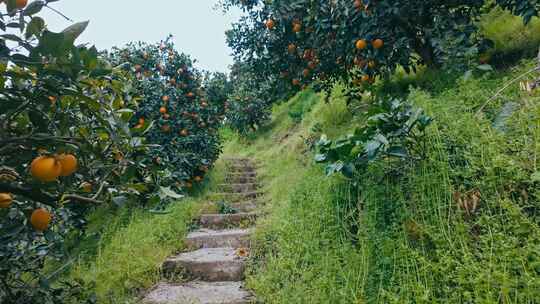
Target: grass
[122, 254]
[401, 238]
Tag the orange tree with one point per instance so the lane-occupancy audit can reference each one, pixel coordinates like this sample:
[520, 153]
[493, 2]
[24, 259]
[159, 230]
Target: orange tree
[180, 117]
[289, 45]
[66, 146]
[249, 105]
[354, 41]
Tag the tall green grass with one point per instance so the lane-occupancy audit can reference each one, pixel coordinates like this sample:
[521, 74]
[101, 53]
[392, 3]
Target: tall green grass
[121, 257]
[400, 237]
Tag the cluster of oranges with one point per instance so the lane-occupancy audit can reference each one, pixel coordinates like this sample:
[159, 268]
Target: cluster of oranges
[44, 168]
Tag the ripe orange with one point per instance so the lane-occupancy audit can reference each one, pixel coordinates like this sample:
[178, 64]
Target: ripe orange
[141, 121]
[52, 99]
[86, 187]
[165, 98]
[5, 200]
[361, 44]
[163, 110]
[46, 168]
[69, 164]
[291, 48]
[184, 132]
[189, 185]
[297, 27]
[377, 43]
[270, 24]
[365, 78]
[190, 94]
[296, 82]
[198, 179]
[40, 219]
[20, 4]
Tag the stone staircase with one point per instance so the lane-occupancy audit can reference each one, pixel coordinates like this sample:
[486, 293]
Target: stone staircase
[215, 264]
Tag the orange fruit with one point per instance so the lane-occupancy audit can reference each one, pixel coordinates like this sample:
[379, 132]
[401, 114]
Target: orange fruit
[86, 187]
[361, 44]
[377, 43]
[165, 98]
[184, 132]
[297, 27]
[291, 48]
[5, 200]
[189, 185]
[69, 164]
[198, 179]
[190, 94]
[20, 4]
[40, 219]
[365, 78]
[270, 24]
[296, 82]
[163, 110]
[52, 99]
[141, 121]
[46, 168]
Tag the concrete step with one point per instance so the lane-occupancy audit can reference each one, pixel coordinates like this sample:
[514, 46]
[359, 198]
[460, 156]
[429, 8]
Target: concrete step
[208, 264]
[199, 293]
[206, 238]
[239, 187]
[239, 207]
[241, 174]
[236, 197]
[241, 179]
[221, 221]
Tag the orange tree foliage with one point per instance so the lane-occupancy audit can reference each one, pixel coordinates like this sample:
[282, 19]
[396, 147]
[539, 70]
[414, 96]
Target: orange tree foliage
[174, 112]
[355, 41]
[72, 137]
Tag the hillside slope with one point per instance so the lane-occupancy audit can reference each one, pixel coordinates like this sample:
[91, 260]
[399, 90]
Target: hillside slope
[459, 226]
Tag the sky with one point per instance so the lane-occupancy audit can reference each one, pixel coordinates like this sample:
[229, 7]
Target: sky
[198, 28]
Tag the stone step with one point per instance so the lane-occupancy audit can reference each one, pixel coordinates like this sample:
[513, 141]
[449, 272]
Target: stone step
[232, 175]
[246, 206]
[199, 293]
[239, 207]
[208, 264]
[206, 238]
[235, 197]
[241, 179]
[220, 221]
[239, 187]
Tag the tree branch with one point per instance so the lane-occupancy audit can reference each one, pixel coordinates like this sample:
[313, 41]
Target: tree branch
[44, 197]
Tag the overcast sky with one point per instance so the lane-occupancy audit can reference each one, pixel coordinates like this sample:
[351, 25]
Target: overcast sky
[198, 29]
